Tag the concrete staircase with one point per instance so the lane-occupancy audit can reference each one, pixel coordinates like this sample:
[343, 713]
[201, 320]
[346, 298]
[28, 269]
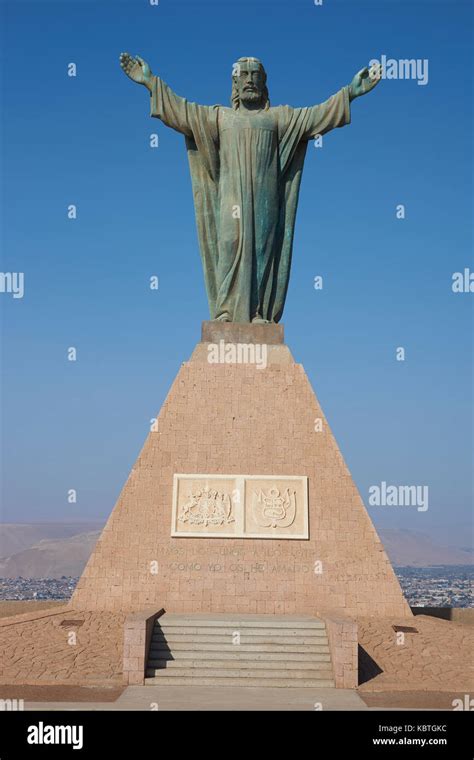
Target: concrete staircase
[234, 650]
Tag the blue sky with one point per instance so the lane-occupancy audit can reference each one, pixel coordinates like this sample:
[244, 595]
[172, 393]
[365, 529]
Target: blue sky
[387, 282]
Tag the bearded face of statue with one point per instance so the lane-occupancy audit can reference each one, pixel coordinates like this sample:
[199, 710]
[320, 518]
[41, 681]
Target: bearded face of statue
[248, 83]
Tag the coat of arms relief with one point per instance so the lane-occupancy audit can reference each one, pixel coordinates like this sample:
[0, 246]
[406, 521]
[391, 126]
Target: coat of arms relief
[240, 506]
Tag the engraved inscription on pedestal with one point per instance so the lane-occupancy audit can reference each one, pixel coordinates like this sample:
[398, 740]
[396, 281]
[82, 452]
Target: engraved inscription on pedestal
[240, 506]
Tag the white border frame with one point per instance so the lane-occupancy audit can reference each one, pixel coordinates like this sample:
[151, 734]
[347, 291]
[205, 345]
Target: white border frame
[240, 482]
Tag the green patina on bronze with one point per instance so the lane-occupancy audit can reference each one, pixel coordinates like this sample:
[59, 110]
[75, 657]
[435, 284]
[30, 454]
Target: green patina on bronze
[246, 163]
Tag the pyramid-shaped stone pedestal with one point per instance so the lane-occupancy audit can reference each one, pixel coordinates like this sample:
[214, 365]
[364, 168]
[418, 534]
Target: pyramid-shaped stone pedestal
[240, 501]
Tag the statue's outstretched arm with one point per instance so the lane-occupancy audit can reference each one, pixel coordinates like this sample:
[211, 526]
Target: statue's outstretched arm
[165, 104]
[336, 112]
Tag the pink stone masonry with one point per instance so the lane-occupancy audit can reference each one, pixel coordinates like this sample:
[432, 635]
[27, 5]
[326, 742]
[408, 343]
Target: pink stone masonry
[241, 419]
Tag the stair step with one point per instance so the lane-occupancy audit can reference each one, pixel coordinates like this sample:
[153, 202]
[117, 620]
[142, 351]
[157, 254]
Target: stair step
[244, 672]
[260, 656]
[167, 622]
[304, 683]
[244, 639]
[229, 630]
[193, 647]
[238, 664]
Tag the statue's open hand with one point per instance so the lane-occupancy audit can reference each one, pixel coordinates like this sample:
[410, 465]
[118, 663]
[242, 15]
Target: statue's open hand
[136, 68]
[365, 81]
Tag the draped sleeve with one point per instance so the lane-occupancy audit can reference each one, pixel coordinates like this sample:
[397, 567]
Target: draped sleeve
[317, 120]
[178, 113]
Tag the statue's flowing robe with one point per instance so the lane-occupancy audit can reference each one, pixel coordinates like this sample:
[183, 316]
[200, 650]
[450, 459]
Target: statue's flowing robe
[246, 172]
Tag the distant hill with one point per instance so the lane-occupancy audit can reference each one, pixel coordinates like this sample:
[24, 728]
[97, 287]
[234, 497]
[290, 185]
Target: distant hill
[15, 537]
[50, 550]
[51, 558]
[408, 547]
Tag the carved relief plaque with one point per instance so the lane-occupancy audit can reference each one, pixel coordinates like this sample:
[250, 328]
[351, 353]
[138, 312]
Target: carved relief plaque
[240, 506]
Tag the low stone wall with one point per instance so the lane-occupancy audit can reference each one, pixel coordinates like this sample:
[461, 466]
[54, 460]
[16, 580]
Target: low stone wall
[30, 615]
[342, 636]
[464, 615]
[137, 635]
[9, 608]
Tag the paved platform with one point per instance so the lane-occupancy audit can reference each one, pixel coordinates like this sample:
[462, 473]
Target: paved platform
[236, 699]
[216, 698]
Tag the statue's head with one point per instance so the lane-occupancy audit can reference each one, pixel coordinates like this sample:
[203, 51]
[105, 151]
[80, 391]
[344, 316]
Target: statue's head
[249, 84]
